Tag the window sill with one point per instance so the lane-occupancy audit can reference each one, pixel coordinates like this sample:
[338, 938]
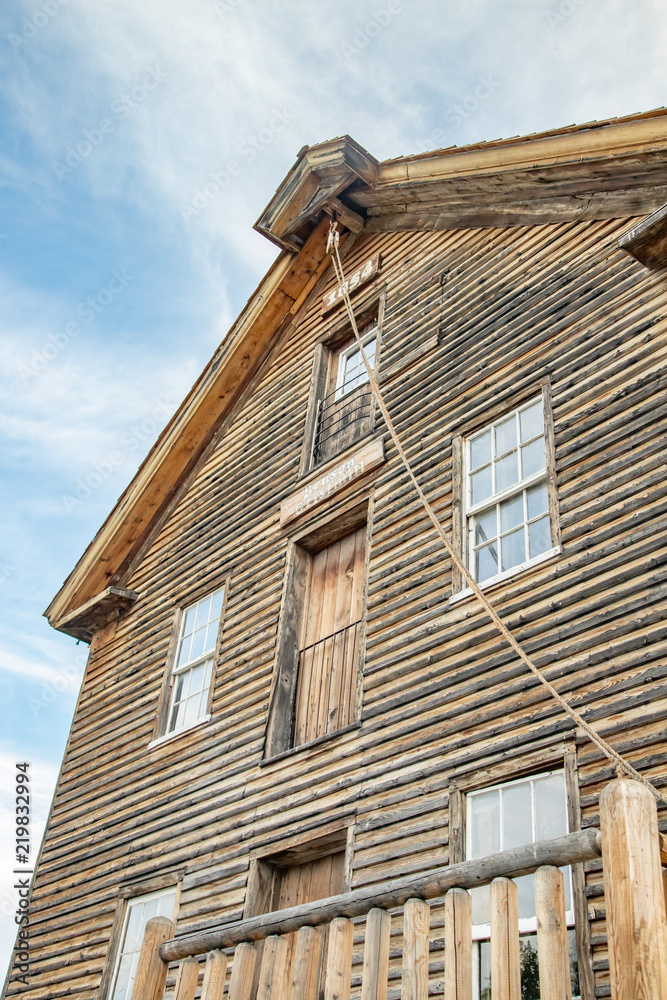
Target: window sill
[500, 578]
[313, 745]
[159, 740]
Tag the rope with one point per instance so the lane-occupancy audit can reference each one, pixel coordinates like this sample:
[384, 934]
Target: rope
[599, 741]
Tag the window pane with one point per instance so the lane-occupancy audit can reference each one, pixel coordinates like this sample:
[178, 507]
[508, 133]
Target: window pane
[485, 970]
[190, 619]
[538, 500]
[517, 816]
[480, 450]
[216, 605]
[198, 643]
[532, 421]
[533, 458]
[486, 562]
[484, 818]
[539, 534]
[191, 711]
[481, 905]
[525, 888]
[184, 651]
[211, 636]
[481, 485]
[135, 928]
[125, 978]
[530, 971]
[485, 526]
[507, 472]
[513, 549]
[550, 807]
[506, 436]
[511, 513]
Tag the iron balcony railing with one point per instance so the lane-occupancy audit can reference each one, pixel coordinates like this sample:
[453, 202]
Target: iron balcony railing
[340, 420]
[326, 684]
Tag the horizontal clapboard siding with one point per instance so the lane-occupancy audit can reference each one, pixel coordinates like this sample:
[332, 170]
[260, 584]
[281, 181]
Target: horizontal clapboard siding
[475, 320]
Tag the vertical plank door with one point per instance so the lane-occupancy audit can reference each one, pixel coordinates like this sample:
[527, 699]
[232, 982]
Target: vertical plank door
[326, 685]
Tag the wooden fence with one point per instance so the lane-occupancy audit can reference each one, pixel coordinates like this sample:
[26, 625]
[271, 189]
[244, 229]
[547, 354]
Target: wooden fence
[629, 843]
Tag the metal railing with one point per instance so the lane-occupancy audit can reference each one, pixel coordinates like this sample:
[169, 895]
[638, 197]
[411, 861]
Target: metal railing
[340, 420]
[325, 684]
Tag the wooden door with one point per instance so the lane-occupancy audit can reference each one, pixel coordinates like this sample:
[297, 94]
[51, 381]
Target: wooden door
[327, 681]
[305, 883]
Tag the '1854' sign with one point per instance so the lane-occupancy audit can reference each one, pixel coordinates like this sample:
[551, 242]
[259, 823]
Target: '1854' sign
[359, 277]
[316, 491]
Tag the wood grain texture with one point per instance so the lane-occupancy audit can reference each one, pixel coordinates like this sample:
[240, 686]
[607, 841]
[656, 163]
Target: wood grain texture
[376, 955]
[637, 925]
[552, 944]
[243, 972]
[416, 927]
[505, 955]
[151, 974]
[458, 945]
[306, 964]
[274, 974]
[187, 979]
[339, 960]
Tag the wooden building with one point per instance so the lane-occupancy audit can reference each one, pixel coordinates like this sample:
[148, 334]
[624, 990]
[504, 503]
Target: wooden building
[291, 692]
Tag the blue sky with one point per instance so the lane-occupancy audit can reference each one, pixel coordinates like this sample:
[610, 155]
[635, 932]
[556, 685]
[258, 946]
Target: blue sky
[123, 264]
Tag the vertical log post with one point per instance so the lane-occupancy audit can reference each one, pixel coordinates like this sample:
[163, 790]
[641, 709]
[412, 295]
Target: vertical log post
[505, 953]
[243, 971]
[552, 946]
[636, 922]
[151, 970]
[458, 945]
[376, 955]
[306, 963]
[274, 971]
[215, 971]
[339, 960]
[416, 927]
[187, 979]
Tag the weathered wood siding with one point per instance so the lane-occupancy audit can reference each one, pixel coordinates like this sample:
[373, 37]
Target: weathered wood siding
[474, 319]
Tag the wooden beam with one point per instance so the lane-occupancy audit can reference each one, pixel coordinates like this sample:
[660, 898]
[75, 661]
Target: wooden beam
[574, 847]
[505, 952]
[647, 241]
[552, 945]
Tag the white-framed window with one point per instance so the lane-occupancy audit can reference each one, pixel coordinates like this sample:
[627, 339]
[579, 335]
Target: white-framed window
[499, 818]
[193, 663]
[351, 368]
[507, 494]
[139, 911]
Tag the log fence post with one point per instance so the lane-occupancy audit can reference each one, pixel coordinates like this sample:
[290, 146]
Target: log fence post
[243, 971]
[306, 963]
[151, 974]
[376, 955]
[505, 952]
[458, 945]
[339, 960]
[416, 936]
[187, 979]
[215, 971]
[635, 901]
[275, 970]
[552, 945]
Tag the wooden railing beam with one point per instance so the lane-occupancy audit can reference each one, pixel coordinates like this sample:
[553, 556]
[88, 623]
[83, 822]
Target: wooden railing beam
[243, 972]
[505, 953]
[339, 960]
[376, 955]
[416, 937]
[215, 971]
[575, 847]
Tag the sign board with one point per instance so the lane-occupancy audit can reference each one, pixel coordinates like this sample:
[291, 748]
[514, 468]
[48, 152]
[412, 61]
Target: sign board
[361, 276]
[317, 490]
